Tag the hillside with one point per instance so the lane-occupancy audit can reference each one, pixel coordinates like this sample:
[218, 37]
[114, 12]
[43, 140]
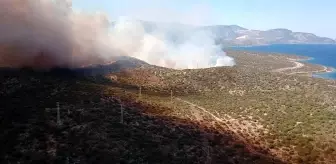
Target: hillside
[229, 35]
[259, 111]
[284, 111]
[93, 127]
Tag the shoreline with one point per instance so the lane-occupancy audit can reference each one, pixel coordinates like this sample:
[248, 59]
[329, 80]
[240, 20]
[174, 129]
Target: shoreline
[318, 73]
[299, 61]
[311, 63]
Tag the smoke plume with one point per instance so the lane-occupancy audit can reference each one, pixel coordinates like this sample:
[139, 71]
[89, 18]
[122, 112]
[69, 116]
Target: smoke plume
[48, 33]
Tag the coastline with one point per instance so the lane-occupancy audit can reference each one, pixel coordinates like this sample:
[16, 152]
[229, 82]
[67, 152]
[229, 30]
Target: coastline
[319, 73]
[303, 65]
[319, 61]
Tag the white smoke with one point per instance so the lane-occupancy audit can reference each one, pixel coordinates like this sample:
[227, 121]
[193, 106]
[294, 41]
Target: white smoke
[225, 61]
[196, 51]
[47, 33]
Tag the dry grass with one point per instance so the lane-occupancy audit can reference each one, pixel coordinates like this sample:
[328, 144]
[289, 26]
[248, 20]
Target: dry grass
[241, 114]
[292, 115]
[92, 133]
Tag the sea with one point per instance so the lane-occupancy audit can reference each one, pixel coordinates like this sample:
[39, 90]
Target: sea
[322, 54]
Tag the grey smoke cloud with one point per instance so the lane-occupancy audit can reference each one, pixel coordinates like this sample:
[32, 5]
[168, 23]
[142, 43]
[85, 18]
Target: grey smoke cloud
[49, 33]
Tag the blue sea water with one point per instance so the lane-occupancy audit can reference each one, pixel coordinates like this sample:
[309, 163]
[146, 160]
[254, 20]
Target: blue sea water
[320, 54]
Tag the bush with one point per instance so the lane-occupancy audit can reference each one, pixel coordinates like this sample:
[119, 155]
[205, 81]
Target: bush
[63, 72]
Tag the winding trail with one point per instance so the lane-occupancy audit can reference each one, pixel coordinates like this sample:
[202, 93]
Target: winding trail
[296, 66]
[203, 109]
[242, 138]
[325, 69]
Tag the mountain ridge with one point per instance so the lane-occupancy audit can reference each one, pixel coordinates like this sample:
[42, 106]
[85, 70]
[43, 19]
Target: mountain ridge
[236, 35]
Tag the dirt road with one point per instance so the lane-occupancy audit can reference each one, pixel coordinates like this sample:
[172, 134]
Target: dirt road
[234, 130]
[296, 66]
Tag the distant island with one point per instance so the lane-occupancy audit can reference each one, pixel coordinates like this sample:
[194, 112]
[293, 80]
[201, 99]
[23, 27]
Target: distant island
[234, 35]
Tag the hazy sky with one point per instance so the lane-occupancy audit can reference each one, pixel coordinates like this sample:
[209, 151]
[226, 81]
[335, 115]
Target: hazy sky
[315, 16]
